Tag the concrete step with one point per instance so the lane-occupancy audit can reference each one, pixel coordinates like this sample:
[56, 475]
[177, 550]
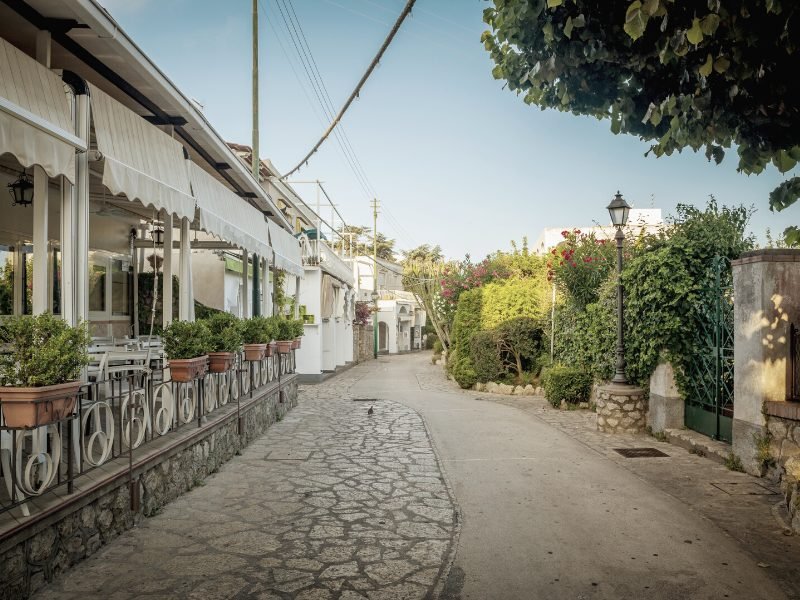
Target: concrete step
[699, 444]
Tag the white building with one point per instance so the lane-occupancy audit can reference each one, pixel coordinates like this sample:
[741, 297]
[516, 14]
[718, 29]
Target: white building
[401, 319]
[648, 220]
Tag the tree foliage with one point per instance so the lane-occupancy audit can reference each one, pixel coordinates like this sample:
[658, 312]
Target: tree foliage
[677, 74]
[359, 241]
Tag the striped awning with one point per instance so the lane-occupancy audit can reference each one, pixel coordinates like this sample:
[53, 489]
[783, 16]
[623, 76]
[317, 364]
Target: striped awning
[226, 215]
[287, 250]
[141, 162]
[35, 115]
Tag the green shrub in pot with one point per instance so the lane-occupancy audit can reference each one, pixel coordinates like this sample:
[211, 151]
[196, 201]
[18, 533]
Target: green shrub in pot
[257, 330]
[226, 331]
[284, 329]
[186, 339]
[39, 374]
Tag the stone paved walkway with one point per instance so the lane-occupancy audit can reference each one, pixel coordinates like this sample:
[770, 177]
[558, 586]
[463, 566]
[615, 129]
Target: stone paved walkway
[332, 503]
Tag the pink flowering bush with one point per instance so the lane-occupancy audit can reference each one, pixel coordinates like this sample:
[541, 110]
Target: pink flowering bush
[580, 264]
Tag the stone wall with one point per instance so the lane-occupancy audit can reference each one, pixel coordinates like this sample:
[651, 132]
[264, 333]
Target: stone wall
[666, 405]
[363, 342]
[778, 453]
[36, 555]
[621, 409]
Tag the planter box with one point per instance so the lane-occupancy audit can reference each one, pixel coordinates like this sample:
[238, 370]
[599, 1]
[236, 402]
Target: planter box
[219, 362]
[188, 369]
[272, 348]
[296, 344]
[255, 352]
[284, 346]
[28, 407]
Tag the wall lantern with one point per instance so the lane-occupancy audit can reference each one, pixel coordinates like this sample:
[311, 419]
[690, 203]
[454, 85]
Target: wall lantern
[157, 233]
[21, 190]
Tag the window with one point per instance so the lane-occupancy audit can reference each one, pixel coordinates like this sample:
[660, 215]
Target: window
[97, 287]
[120, 281]
[6, 280]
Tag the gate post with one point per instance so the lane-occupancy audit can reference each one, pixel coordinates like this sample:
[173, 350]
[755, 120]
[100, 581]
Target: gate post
[766, 287]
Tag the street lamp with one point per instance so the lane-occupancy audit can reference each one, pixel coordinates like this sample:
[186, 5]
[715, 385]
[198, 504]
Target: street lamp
[157, 234]
[619, 210]
[21, 190]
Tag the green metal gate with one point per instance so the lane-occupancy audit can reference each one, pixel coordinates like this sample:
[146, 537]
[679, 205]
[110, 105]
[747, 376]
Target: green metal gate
[709, 401]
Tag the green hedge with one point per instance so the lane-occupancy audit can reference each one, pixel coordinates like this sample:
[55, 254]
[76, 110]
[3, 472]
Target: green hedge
[570, 384]
[486, 356]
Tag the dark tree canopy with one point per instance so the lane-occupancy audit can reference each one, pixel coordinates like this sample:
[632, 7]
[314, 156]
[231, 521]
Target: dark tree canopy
[677, 73]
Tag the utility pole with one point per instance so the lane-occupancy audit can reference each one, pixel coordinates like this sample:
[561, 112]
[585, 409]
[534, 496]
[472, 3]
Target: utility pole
[255, 160]
[375, 204]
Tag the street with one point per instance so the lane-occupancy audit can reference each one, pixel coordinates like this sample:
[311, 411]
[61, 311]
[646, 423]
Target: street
[334, 502]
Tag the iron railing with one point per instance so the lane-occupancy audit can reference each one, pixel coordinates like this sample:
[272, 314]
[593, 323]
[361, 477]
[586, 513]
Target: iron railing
[114, 419]
[793, 364]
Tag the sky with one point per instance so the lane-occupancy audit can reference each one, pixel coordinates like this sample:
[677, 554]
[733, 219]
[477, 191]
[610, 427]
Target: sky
[454, 158]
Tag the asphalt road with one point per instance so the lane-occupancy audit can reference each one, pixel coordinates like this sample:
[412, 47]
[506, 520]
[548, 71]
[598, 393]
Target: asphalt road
[544, 517]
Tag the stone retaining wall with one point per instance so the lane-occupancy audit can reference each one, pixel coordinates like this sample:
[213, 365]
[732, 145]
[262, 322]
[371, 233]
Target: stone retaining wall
[508, 389]
[621, 409]
[34, 556]
[363, 343]
[778, 452]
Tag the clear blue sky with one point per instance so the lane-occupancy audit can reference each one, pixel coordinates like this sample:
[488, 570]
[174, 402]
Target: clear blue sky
[456, 159]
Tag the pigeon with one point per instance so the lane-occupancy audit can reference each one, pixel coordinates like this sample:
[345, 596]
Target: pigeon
[370, 411]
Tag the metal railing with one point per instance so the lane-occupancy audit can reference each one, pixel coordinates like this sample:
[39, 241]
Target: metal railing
[117, 417]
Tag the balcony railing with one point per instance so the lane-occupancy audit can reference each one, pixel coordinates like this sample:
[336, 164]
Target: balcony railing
[116, 419]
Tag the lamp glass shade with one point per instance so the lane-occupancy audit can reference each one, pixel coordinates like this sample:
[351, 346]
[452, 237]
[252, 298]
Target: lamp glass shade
[618, 209]
[158, 235]
[21, 191]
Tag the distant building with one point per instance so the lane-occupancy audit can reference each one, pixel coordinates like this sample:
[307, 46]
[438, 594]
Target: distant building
[401, 319]
[648, 220]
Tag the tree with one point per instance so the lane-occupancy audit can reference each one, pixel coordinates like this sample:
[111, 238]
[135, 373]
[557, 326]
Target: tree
[423, 279]
[359, 241]
[674, 73]
[423, 252]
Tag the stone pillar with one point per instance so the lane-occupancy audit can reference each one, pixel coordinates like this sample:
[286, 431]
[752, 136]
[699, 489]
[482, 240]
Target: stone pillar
[766, 285]
[666, 405]
[621, 408]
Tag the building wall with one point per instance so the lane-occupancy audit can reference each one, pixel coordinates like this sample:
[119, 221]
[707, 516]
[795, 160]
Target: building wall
[309, 357]
[208, 273]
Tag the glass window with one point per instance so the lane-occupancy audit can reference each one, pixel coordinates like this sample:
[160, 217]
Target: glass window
[6, 280]
[120, 299]
[97, 287]
[56, 281]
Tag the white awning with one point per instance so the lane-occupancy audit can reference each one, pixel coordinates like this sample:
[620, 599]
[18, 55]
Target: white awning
[287, 250]
[35, 115]
[226, 215]
[141, 161]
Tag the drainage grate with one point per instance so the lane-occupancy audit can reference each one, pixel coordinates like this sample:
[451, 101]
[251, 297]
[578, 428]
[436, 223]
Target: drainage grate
[365, 399]
[640, 452]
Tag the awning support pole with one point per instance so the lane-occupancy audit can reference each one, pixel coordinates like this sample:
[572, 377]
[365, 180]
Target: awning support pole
[166, 290]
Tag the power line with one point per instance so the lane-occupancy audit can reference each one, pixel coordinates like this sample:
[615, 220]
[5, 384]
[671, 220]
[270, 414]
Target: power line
[406, 10]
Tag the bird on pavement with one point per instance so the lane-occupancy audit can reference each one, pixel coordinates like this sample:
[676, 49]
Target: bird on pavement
[370, 411]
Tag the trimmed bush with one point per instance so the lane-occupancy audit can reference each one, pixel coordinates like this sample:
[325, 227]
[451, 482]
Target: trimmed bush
[225, 332]
[258, 330]
[486, 356]
[569, 384]
[506, 300]
[186, 339]
[519, 342]
[42, 350]
[284, 329]
[464, 373]
[438, 348]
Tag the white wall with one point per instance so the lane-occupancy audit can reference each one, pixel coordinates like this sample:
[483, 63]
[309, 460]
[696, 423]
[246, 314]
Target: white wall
[309, 356]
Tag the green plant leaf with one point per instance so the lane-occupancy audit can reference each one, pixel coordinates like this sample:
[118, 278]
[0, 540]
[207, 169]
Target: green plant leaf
[635, 20]
[706, 68]
[784, 161]
[791, 236]
[709, 24]
[721, 64]
[695, 34]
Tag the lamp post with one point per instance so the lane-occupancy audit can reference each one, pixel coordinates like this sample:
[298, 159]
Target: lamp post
[619, 210]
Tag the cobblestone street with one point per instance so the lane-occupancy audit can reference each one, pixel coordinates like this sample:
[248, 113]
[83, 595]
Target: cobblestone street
[330, 503]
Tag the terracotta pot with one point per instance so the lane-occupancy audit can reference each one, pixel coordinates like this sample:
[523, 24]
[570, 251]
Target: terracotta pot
[254, 352]
[284, 346]
[272, 348]
[219, 362]
[26, 407]
[187, 369]
[296, 344]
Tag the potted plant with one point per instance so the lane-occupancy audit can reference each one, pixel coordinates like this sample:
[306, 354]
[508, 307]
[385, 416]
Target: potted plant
[256, 334]
[284, 334]
[298, 330]
[186, 344]
[272, 347]
[225, 341]
[40, 373]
